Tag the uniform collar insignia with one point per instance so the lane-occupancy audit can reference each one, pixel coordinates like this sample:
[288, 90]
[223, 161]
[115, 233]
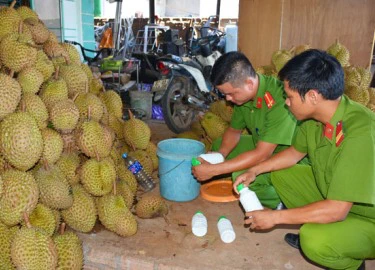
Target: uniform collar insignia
[259, 102]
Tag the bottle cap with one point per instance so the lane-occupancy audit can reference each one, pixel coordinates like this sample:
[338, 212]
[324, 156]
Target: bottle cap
[240, 187]
[221, 217]
[195, 162]
[199, 212]
[124, 155]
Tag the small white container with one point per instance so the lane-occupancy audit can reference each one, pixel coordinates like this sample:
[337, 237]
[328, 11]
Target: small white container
[213, 158]
[199, 224]
[226, 230]
[249, 199]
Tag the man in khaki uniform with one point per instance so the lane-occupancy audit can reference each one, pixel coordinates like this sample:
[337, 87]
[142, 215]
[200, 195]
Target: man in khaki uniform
[334, 198]
[260, 107]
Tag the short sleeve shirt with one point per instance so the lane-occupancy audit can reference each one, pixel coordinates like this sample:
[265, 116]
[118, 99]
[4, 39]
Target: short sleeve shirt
[344, 167]
[268, 120]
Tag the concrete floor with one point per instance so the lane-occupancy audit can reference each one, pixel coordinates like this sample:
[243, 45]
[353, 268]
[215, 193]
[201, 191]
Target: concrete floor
[167, 243]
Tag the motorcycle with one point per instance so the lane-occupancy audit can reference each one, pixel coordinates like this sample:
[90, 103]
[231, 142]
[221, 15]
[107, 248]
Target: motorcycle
[184, 88]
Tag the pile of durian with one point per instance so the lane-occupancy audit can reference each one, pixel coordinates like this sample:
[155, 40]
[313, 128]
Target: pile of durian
[357, 79]
[61, 141]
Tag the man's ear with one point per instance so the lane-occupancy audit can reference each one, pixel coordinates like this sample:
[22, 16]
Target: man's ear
[313, 96]
[249, 81]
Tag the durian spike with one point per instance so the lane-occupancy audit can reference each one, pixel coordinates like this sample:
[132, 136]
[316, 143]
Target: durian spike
[13, 4]
[57, 72]
[27, 220]
[62, 228]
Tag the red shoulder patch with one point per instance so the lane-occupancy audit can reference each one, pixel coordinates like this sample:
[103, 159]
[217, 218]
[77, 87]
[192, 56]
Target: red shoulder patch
[269, 100]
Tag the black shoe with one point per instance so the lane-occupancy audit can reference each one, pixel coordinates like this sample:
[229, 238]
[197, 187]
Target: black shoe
[293, 240]
[362, 266]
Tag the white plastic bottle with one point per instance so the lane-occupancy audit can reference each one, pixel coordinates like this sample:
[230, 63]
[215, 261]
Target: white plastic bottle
[249, 199]
[213, 158]
[226, 230]
[199, 224]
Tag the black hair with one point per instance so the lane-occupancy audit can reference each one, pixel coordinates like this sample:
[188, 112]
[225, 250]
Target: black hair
[232, 67]
[314, 69]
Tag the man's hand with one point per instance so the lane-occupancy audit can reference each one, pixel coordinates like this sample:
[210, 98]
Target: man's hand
[203, 171]
[261, 220]
[246, 178]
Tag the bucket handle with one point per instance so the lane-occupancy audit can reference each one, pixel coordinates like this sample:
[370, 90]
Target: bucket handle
[179, 164]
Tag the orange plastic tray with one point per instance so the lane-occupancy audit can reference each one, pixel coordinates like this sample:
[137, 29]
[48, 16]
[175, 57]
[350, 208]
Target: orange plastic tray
[219, 191]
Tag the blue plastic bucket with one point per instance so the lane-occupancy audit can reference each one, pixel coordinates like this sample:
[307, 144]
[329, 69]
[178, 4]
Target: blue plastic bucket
[176, 180]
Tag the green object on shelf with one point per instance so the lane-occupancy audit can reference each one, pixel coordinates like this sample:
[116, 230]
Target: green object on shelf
[110, 64]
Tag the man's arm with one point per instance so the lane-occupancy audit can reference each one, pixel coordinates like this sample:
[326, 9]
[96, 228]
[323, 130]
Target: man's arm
[231, 137]
[282, 160]
[243, 161]
[326, 211]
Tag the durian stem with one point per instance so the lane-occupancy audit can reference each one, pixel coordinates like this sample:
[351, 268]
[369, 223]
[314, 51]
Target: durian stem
[97, 155]
[20, 28]
[89, 113]
[11, 73]
[23, 105]
[114, 187]
[13, 4]
[45, 164]
[87, 87]
[62, 228]
[131, 116]
[57, 72]
[27, 220]
[75, 96]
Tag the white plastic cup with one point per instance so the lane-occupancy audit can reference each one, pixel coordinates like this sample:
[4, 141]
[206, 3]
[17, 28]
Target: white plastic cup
[226, 230]
[199, 224]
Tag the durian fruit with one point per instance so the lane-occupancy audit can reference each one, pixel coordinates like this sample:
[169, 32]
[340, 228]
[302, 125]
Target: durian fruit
[44, 65]
[43, 218]
[268, 70]
[27, 13]
[21, 141]
[75, 78]
[116, 124]
[55, 191]
[69, 251]
[124, 190]
[301, 48]
[213, 125]
[53, 146]
[280, 58]
[32, 249]
[144, 159]
[371, 107]
[30, 80]
[137, 133]
[188, 135]
[1, 185]
[53, 49]
[33, 104]
[20, 195]
[4, 165]
[10, 95]
[88, 72]
[17, 52]
[90, 138]
[151, 150]
[151, 206]
[74, 56]
[223, 109]
[6, 237]
[97, 177]
[207, 143]
[81, 216]
[357, 76]
[115, 215]
[57, 216]
[96, 86]
[68, 164]
[113, 102]
[54, 90]
[197, 128]
[340, 52]
[87, 101]
[69, 140]
[126, 176]
[64, 116]
[371, 91]
[10, 19]
[360, 95]
[39, 31]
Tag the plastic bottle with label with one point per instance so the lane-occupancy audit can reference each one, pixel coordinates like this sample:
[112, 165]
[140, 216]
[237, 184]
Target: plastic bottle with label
[143, 178]
[226, 230]
[213, 158]
[249, 199]
[199, 224]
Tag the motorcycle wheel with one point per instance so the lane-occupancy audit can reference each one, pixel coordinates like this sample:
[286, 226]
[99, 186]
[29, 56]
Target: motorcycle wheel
[178, 115]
